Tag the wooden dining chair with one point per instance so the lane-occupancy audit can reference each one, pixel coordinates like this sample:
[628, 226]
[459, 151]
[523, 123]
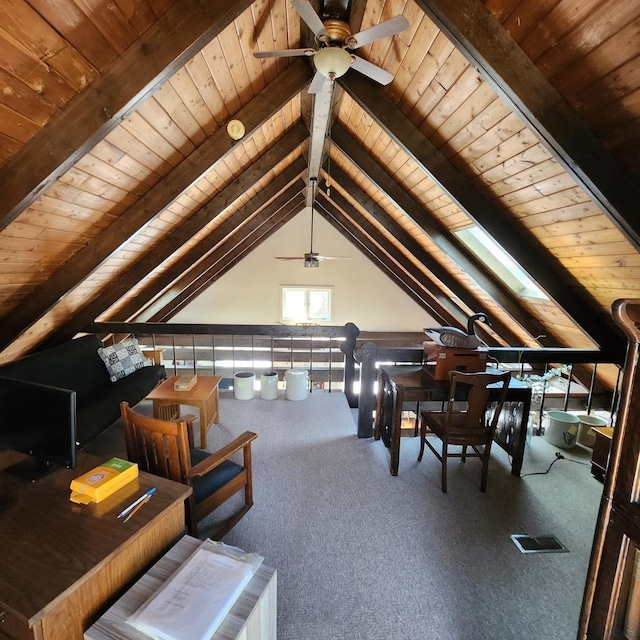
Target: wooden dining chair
[469, 420]
[165, 448]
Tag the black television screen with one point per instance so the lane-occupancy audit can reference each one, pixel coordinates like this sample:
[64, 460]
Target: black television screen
[38, 420]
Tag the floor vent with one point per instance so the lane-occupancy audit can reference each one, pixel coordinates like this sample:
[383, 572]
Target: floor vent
[538, 544]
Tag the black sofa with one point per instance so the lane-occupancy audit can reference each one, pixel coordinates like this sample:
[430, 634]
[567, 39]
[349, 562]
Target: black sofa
[76, 365]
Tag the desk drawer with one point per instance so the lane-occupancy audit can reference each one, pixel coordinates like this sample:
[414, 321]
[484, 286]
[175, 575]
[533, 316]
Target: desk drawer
[12, 626]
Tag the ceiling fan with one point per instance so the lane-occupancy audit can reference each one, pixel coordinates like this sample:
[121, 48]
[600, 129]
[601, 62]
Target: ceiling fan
[331, 58]
[311, 258]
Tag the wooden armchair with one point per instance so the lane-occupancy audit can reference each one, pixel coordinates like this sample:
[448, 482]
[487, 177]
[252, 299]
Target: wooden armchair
[165, 448]
[473, 426]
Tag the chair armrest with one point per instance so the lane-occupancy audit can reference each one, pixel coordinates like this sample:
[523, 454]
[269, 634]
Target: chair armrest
[211, 462]
[189, 418]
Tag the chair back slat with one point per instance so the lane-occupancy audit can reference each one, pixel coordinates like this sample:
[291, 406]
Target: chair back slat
[470, 420]
[477, 389]
[158, 446]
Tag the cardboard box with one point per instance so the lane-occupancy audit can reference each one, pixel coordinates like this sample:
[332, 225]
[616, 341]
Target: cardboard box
[466, 360]
[103, 481]
[431, 350]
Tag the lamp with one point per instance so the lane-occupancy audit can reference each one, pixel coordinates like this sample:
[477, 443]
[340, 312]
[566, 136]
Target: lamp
[332, 62]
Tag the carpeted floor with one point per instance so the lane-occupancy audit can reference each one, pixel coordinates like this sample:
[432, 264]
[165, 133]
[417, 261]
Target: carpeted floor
[364, 555]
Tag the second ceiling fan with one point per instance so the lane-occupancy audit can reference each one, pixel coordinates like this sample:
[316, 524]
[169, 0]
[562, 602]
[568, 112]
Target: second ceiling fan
[311, 258]
[334, 41]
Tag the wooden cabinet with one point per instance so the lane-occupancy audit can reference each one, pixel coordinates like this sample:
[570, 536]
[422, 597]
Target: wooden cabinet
[253, 616]
[617, 536]
[62, 563]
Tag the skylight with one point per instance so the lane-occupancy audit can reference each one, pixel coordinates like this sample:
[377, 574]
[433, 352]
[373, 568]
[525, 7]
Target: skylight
[500, 262]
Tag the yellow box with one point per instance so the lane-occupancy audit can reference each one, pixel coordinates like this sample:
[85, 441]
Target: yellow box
[103, 481]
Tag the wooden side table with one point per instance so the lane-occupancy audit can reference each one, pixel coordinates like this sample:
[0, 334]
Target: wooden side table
[153, 355]
[252, 616]
[203, 396]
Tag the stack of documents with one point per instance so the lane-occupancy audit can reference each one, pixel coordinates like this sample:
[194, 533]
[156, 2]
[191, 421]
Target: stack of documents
[194, 601]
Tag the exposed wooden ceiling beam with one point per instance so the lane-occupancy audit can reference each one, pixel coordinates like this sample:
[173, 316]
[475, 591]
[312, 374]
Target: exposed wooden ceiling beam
[543, 267]
[322, 102]
[233, 249]
[503, 64]
[136, 306]
[135, 75]
[405, 239]
[215, 148]
[125, 281]
[434, 229]
[457, 316]
[390, 261]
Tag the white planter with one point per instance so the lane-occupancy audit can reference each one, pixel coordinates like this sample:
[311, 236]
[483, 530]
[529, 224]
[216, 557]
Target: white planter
[243, 385]
[296, 384]
[586, 437]
[562, 430]
[269, 385]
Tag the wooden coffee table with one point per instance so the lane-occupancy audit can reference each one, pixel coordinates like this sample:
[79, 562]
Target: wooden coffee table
[203, 396]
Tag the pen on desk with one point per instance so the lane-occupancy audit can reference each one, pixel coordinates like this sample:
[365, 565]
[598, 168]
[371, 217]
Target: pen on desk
[145, 496]
[137, 508]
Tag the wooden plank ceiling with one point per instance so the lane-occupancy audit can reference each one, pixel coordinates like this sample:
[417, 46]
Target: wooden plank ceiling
[122, 195]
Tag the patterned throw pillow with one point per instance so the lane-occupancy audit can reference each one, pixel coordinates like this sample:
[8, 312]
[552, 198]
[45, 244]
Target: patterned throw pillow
[122, 359]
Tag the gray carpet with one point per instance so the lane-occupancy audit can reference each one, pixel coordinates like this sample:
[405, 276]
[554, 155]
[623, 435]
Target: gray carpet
[363, 555]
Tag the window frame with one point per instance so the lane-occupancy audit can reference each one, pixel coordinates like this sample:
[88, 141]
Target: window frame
[502, 264]
[308, 290]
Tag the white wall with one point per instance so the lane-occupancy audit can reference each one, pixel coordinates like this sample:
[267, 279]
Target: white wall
[250, 292]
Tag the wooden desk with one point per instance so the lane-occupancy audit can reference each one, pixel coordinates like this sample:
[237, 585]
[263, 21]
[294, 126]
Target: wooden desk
[411, 383]
[62, 564]
[203, 396]
[252, 617]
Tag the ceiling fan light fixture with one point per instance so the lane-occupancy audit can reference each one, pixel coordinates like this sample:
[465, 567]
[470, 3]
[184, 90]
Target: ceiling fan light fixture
[332, 62]
[311, 261]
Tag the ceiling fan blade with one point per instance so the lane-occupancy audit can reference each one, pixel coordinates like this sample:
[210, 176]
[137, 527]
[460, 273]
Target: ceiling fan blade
[283, 54]
[371, 70]
[306, 12]
[382, 30]
[289, 258]
[333, 258]
[317, 83]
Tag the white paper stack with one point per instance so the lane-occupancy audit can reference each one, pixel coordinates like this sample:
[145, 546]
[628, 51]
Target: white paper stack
[194, 601]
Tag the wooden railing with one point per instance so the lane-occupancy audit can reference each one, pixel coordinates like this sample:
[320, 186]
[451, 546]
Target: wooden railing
[519, 360]
[343, 358]
[224, 350]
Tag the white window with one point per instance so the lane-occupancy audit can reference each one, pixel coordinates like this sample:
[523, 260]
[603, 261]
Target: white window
[500, 262]
[306, 304]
